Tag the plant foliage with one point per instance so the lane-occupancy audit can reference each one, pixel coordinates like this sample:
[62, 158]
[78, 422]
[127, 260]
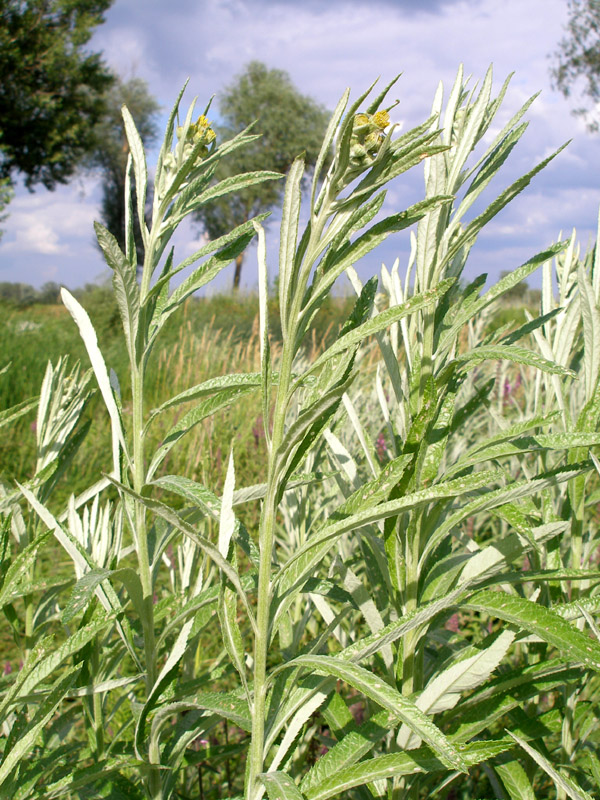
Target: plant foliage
[413, 610]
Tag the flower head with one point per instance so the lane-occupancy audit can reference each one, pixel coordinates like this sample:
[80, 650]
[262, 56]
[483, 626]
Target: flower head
[367, 138]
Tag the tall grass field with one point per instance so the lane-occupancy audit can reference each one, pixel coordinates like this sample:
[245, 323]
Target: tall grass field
[340, 548]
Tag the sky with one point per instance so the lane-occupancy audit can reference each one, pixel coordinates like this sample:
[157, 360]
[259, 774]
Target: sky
[325, 47]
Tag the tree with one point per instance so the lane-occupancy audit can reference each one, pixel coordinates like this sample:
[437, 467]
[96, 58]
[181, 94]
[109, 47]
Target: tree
[52, 92]
[290, 123]
[110, 151]
[578, 56]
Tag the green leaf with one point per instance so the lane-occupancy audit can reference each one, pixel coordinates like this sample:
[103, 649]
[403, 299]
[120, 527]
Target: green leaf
[164, 678]
[326, 146]
[470, 134]
[215, 244]
[83, 561]
[225, 397]
[469, 235]
[444, 690]
[469, 310]
[538, 619]
[230, 630]
[397, 764]
[136, 148]
[563, 782]
[49, 657]
[506, 692]
[280, 786]
[16, 581]
[227, 517]
[207, 271]
[379, 322]
[127, 292]
[303, 560]
[525, 444]
[210, 505]
[514, 779]
[88, 334]
[288, 238]
[304, 431]
[352, 747]
[499, 497]
[508, 352]
[389, 698]
[87, 585]
[368, 645]
[591, 331]
[29, 735]
[10, 415]
[369, 240]
[227, 705]
[233, 184]
[186, 528]
[238, 380]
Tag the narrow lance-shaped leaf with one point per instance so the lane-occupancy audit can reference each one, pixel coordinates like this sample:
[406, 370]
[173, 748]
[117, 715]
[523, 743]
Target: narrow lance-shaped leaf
[540, 620]
[162, 681]
[320, 542]
[280, 786]
[88, 334]
[136, 148]
[29, 736]
[444, 690]
[233, 184]
[288, 237]
[563, 782]
[511, 352]
[211, 551]
[125, 283]
[387, 697]
[263, 316]
[212, 386]
[397, 764]
[379, 322]
[514, 778]
[591, 331]
[193, 417]
[12, 414]
[326, 146]
[227, 517]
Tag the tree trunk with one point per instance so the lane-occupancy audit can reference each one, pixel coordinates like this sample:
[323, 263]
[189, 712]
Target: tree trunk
[238, 272]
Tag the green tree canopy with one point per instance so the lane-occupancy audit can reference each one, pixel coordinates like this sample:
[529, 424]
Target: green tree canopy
[290, 123]
[109, 150]
[52, 92]
[578, 56]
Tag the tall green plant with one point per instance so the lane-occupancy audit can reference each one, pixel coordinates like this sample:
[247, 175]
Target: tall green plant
[309, 658]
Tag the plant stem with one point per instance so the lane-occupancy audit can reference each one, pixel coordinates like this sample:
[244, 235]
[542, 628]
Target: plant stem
[266, 535]
[153, 781]
[254, 788]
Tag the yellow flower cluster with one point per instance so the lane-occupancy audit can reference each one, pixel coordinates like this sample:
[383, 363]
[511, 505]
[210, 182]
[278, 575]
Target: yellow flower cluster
[198, 132]
[367, 137]
[198, 136]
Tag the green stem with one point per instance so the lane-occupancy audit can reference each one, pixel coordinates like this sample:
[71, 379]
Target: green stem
[254, 788]
[153, 780]
[98, 711]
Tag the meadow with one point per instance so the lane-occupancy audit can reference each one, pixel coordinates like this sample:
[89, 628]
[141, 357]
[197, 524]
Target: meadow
[344, 548]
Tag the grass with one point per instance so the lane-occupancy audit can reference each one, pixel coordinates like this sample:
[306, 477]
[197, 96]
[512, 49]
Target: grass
[212, 336]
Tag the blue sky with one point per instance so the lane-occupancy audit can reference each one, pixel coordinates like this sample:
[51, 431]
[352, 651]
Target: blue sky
[326, 46]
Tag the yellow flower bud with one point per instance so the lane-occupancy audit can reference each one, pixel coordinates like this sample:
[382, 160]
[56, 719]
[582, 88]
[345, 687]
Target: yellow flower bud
[360, 119]
[373, 141]
[381, 119]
